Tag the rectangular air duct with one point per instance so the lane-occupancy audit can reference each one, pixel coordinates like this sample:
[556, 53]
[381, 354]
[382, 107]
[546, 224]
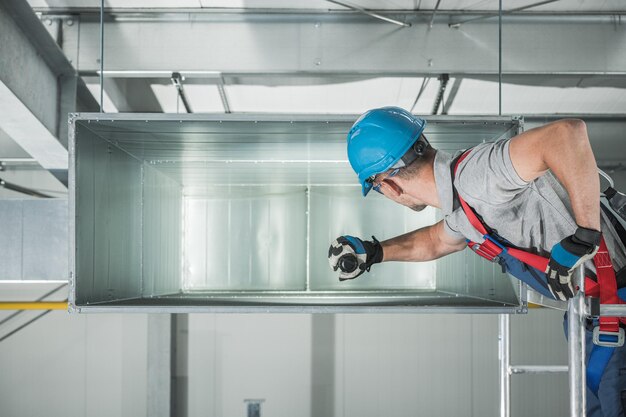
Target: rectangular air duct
[236, 212]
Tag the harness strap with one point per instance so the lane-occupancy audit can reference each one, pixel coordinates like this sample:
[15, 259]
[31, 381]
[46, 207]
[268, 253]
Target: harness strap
[605, 288]
[469, 212]
[608, 286]
[598, 360]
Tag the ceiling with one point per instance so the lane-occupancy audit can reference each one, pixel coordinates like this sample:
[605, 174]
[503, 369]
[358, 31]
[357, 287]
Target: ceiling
[472, 97]
[347, 94]
[560, 5]
[325, 93]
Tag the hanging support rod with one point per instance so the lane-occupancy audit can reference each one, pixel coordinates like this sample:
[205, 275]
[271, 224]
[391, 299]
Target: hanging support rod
[223, 96]
[443, 83]
[22, 190]
[457, 25]
[452, 95]
[432, 18]
[177, 80]
[369, 13]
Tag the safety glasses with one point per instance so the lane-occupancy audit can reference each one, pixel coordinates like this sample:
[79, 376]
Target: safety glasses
[376, 187]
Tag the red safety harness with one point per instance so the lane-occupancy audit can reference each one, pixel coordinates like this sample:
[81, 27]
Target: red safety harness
[605, 288]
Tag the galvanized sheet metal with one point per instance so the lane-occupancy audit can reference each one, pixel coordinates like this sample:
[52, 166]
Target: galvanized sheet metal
[210, 212]
[34, 239]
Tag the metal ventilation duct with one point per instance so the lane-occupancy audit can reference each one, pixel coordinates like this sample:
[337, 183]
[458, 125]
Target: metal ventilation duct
[236, 212]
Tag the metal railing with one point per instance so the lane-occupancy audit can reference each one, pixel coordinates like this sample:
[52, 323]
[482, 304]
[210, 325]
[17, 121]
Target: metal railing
[577, 313]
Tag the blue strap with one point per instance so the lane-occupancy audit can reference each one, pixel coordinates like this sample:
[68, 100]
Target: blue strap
[598, 360]
[495, 242]
[356, 244]
[600, 357]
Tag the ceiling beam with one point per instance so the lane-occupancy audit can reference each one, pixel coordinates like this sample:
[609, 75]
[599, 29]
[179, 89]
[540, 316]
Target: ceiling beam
[322, 45]
[38, 88]
[125, 12]
[33, 73]
[23, 126]
[551, 79]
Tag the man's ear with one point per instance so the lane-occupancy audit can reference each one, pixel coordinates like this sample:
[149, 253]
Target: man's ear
[393, 187]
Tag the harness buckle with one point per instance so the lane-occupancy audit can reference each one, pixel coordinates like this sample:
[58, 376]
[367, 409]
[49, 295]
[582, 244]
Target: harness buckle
[608, 339]
[490, 249]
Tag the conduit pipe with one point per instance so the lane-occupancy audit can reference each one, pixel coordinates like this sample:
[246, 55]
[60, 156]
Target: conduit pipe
[38, 305]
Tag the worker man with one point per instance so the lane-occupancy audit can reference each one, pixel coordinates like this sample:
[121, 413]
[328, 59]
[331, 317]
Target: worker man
[538, 192]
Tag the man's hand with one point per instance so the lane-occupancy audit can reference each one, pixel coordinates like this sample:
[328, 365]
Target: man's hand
[353, 256]
[566, 255]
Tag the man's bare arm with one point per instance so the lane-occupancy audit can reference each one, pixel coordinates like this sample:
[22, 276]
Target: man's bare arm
[425, 244]
[563, 147]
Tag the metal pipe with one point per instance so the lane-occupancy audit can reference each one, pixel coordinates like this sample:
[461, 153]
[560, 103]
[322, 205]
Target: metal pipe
[518, 9]
[576, 347]
[432, 18]
[101, 56]
[504, 354]
[43, 297]
[22, 190]
[613, 310]
[341, 75]
[369, 13]
[177, 80]
[33, 305]
[18, 160]
[538, 369]
[213, 75]
[452, 95]
[500, 57]
[443, 83]
[192, 13]
[222, 91]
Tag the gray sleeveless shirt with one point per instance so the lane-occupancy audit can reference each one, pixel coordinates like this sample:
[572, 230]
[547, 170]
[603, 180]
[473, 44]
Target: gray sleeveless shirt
[531, 215]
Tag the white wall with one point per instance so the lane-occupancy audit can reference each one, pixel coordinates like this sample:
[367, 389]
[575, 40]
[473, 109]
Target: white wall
[539, 339]
[75, 365]
[238, 357]
[301, 365]
[371, 365]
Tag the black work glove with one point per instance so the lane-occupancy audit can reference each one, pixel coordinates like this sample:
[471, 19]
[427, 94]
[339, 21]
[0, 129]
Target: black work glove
[353, 256]
[568, 254]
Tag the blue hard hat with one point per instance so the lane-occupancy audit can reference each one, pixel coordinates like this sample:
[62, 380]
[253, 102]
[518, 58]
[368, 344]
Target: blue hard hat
[379, 139]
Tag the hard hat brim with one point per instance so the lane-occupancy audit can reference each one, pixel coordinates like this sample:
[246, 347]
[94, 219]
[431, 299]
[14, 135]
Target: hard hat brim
[366, 187]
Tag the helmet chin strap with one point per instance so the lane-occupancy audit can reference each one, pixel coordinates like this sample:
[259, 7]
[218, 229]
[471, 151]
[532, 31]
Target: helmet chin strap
[417, 150]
